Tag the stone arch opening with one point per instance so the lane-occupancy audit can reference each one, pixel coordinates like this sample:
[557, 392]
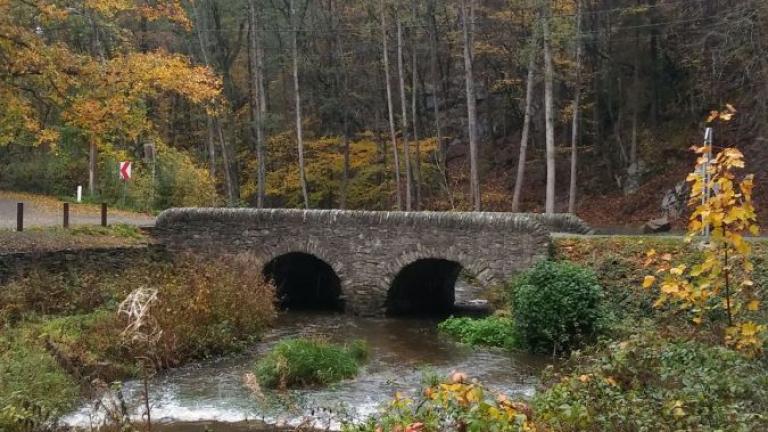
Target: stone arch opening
[424, 287]
[304, 282]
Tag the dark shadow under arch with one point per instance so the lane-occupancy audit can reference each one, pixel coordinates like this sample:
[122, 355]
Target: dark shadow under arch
[424, 287]
[304, 282]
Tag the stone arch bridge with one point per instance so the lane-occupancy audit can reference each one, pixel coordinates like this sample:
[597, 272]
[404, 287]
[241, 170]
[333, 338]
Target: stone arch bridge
[365, 262]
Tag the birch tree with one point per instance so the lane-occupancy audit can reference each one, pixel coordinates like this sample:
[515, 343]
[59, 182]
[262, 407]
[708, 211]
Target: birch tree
[549, 77]
[414, 106]
[576, 115]
[297, 99]
[390, 109]
[257, 98]
[522, 159]
[404, 118]
[467, 18]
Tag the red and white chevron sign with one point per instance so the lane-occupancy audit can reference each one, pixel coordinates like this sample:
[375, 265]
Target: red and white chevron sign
[125, 170]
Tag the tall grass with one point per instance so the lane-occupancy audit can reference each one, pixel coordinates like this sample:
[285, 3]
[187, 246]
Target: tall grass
[309, 362]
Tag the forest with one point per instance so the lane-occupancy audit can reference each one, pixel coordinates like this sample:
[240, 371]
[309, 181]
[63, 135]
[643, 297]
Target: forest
[585, 106]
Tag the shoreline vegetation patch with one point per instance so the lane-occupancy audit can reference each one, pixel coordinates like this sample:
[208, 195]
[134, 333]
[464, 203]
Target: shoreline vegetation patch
[493, 331]
[309, 362]
[61, 331]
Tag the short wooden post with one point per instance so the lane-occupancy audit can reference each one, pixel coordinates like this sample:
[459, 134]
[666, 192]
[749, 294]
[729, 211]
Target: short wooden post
[66, 215]
[19, 216]
[103, 214]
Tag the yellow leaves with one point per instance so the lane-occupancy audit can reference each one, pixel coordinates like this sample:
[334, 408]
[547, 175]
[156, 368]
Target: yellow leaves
[648, 281]
[677, 271]
[724, 115]
[47, 136]
[721, 280]
[676, 408]
[585, 378]
[105, 98]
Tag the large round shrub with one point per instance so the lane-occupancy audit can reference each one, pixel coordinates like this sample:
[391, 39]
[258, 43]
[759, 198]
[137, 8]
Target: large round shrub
[556, 306]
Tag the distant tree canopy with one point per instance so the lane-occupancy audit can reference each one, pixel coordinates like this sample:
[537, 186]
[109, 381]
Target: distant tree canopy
[214, 79]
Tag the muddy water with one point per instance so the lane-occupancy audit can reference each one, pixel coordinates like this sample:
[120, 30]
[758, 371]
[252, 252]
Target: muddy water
[212, 394]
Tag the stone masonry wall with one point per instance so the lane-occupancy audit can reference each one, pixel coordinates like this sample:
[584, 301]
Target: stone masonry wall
[365, 249]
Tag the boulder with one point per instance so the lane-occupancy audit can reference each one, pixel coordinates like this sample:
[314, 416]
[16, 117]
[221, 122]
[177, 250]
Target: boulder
[661, 224]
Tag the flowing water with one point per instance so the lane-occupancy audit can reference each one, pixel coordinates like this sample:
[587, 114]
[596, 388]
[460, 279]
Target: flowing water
[213, 394]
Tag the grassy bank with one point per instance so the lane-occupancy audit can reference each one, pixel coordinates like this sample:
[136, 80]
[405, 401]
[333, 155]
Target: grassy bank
[79, 237]
[61, 331]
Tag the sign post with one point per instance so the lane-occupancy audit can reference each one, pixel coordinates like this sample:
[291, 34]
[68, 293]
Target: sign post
[124, 171]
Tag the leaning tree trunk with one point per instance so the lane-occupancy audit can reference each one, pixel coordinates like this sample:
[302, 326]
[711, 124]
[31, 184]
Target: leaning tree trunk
[392, 133]
[297, 97]
[549, 77]
[576, 116]
[474, 177]
[526, 127]
[404, 119]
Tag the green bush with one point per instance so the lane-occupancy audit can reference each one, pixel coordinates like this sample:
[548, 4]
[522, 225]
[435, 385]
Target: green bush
[495, 331]
[308, 362]
[647, 383]
[556, 306]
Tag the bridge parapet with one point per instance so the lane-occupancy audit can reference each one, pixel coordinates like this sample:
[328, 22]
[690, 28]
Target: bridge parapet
[367, 249]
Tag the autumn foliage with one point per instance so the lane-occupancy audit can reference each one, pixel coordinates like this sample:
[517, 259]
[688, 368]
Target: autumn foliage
[721, 283]
[100, 87]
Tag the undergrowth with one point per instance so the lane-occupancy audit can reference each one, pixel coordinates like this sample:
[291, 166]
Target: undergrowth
[62, 330]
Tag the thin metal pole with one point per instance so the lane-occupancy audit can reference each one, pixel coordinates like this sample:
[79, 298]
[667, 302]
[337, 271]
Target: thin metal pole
[20, 216]
[66, 215]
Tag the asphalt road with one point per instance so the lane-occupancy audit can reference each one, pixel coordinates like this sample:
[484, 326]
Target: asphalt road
[36, 215]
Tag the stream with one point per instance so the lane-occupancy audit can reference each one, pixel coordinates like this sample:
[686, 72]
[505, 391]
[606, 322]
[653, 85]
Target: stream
[211, 395]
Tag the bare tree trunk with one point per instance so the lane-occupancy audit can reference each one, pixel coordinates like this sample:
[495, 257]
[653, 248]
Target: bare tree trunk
[576, 115]
[468, 27]
[414, 109]
[635, 108]
[526, 126]
[549, 77]
[436, 90]
[92, 168]
[257, 109]
[98, 51]
[342, 79]
[297, 95]
[211, 147]
[404, 119]
[214, 125]
[231, 198]
[390, 109]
